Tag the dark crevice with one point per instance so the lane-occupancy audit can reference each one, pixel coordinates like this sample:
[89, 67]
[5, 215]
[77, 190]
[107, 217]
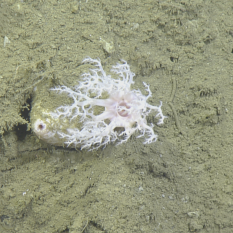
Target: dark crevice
[21, 129]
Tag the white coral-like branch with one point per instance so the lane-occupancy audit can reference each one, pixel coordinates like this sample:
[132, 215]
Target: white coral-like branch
[125, 110]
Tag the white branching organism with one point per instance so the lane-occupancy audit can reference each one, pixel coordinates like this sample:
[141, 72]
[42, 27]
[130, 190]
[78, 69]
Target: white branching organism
[124, 110]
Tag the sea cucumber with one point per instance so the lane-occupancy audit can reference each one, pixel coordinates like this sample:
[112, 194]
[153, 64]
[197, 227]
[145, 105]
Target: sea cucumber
[103, 110]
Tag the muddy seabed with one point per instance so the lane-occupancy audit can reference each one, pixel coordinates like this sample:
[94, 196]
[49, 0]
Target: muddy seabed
[181, 183]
